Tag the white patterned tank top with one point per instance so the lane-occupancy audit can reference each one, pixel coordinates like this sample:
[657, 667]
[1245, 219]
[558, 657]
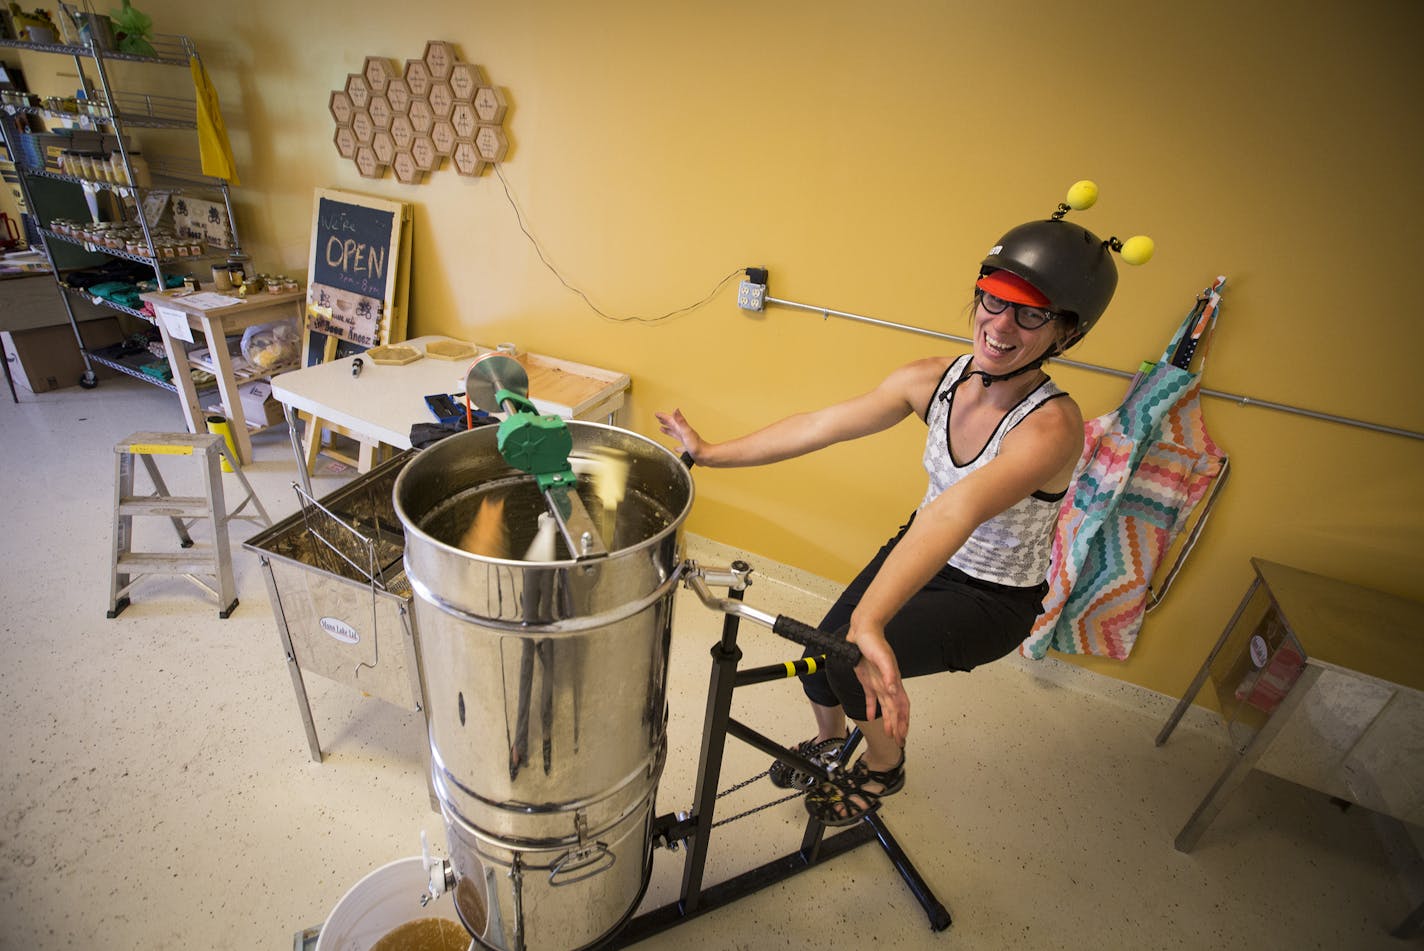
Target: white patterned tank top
[1013, 547]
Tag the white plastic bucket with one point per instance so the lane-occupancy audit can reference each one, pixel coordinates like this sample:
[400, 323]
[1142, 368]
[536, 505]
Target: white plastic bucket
[379, 903]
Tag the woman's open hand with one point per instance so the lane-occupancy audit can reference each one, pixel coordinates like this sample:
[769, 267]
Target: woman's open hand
[674, 424]
[879, 676]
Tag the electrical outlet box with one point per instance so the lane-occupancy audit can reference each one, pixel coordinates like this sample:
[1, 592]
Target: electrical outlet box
[751, 296]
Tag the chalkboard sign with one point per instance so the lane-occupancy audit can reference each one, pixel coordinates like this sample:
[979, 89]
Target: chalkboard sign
[357, 278]
[352, 246]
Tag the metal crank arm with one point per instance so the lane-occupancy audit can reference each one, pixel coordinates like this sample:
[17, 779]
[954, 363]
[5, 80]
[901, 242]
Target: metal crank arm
[697, 578]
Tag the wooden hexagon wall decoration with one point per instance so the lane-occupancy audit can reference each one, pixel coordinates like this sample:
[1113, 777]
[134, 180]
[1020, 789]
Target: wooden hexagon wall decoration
[398, 95]
[417, 77]
[409, 116]
[345, 142]
[422, 116]
[379, 72]
[402, 132]
[464, 119]
[427, 159]
[465, 78]
[357, 90]
[341, 108]
[384, 146]
[491, 143]
[466, 158]
[490, 105]
[379, 109]
[367, 164]
[406, 169]
[443, 135]
[439, 58]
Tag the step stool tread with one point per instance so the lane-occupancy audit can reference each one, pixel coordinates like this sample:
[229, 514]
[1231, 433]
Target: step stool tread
[149, 563]
[180, 506]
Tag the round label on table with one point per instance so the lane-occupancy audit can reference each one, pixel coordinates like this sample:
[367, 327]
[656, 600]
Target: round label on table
[340, 630]
[1259, 651]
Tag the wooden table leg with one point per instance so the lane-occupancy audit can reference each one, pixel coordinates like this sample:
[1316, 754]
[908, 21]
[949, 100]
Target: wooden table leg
[227, 386]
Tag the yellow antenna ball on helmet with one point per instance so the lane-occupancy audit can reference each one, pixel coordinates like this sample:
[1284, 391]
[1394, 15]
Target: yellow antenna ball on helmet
[1083, 195]
[1138, 249]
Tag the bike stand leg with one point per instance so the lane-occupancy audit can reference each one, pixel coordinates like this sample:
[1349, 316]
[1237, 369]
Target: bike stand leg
[815, 847]
[938, 914]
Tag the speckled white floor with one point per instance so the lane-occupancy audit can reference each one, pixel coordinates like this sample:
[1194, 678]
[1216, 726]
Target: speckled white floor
[156, 789]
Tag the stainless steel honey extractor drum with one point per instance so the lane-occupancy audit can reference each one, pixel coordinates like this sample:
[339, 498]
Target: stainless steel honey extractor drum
[545, 681]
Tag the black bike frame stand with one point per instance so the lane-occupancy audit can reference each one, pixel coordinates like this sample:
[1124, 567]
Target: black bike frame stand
[695, 829]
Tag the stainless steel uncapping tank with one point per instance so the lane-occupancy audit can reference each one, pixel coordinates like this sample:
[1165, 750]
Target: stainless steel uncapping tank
[546, 684]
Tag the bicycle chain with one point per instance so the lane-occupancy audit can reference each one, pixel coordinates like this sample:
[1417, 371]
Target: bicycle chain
[754, 810]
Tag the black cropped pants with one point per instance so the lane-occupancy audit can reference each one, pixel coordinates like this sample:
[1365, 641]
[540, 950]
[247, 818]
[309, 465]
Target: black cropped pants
[955, 622]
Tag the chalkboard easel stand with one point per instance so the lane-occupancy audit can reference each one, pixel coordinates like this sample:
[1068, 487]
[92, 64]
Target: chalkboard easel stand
[360, 251]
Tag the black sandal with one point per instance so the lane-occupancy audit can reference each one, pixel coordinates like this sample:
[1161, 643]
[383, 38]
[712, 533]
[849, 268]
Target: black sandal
[835, 803]
[786, 776]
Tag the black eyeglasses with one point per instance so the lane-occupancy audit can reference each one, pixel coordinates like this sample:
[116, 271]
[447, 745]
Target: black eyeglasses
[1029, 318]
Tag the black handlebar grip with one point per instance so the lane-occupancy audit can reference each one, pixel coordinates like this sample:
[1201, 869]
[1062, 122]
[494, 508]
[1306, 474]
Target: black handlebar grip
[794, 630]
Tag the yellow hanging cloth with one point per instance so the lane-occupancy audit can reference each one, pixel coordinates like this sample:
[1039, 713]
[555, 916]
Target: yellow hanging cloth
[213, 145]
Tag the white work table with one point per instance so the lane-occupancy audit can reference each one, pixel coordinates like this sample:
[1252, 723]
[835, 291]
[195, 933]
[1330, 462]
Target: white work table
[383, 401]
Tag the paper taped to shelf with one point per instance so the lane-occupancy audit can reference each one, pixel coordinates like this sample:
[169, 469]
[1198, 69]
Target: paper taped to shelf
[174, 321]
[344, 314]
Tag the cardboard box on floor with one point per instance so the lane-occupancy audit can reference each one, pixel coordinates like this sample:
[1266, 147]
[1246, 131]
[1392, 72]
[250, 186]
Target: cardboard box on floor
[47, 358]
[259, 407]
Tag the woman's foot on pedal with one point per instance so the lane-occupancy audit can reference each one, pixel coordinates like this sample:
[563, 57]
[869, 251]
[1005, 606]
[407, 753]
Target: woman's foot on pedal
[855, 794]
[786, 776]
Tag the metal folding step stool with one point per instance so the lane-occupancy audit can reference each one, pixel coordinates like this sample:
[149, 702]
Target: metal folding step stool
[182, 511]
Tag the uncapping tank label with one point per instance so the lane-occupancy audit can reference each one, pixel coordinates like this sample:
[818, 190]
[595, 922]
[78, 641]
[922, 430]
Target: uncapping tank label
[340, 630]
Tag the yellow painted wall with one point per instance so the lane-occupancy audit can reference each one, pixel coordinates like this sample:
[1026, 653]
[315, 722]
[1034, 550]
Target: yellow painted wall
[869, 155]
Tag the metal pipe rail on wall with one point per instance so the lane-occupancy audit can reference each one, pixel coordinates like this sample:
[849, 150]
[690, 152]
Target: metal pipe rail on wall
[1237, 398]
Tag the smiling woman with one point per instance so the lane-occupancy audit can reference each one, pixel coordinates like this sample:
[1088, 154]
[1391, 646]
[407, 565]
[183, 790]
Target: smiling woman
[963, 580]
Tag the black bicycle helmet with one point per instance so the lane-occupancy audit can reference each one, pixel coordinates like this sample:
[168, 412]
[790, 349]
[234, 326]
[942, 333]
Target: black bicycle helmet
[1070, 265]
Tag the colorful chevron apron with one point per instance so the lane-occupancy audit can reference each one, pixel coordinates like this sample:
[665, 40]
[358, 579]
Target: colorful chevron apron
[1144, 468]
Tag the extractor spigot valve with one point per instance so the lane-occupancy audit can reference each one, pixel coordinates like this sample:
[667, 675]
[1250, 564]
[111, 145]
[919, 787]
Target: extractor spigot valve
[442, 873]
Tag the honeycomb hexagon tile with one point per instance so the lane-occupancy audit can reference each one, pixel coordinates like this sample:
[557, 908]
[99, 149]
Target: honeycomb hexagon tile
[439, 58]
[384, 146]
[490, 105]
[422, 117]
[379, 72]
[362, 125]
[345, 141]
[427, 159]
[406, 169]
[402, 132]
[465, 78]
[464, 119]
[341, 108]
[379, 110]
[358, 90]
[398, 95]
[442, 134]
[441, 99]
[417, 77]
[466, 158]
[367, 164]
[491, 142]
